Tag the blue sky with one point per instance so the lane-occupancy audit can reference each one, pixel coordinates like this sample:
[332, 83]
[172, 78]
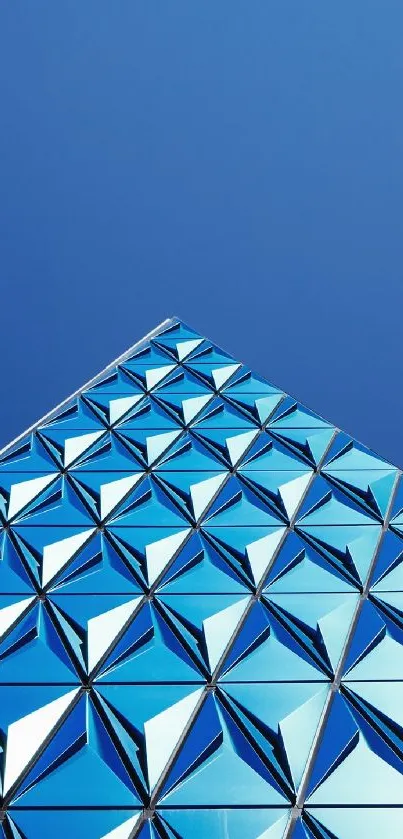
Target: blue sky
[238, 164]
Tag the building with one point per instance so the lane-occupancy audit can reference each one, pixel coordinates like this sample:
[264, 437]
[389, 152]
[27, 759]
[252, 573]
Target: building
[201, 623]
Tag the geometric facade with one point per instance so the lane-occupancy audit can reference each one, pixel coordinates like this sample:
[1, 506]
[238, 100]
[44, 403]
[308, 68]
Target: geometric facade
[201, 616]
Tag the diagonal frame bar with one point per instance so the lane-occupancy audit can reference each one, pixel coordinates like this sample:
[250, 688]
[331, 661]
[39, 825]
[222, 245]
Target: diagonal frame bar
[335, 686]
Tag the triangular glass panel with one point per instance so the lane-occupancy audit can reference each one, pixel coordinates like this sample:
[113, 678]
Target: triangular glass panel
[201, 611]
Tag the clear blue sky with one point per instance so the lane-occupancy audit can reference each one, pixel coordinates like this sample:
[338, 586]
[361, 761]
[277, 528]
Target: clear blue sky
[239, 164]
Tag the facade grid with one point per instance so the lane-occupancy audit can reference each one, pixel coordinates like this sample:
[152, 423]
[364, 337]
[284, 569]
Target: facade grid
[201, 612]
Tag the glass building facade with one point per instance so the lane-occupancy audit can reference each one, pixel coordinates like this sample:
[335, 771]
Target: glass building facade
[201, 622]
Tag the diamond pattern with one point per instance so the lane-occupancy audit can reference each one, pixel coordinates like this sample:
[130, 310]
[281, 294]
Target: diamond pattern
[201, 612]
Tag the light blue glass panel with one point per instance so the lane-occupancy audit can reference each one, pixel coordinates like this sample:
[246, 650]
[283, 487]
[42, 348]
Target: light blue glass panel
[201, 614]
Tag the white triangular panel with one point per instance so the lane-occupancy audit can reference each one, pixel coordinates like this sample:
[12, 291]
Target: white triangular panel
[238, 444]
[158, 443]
[156, 374]
[163, 732]
[123, 831]
[158, 554]
[111, 494]
[219, 628]
[293, 491]
[203, 492]
[260, 553]
[119, 407]
[184, 348]
[192, 407]
[103, 629]
[25, 736]
[76, 446]
[56, 555]
[23, 493]
[222, 374]
[10, 614]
